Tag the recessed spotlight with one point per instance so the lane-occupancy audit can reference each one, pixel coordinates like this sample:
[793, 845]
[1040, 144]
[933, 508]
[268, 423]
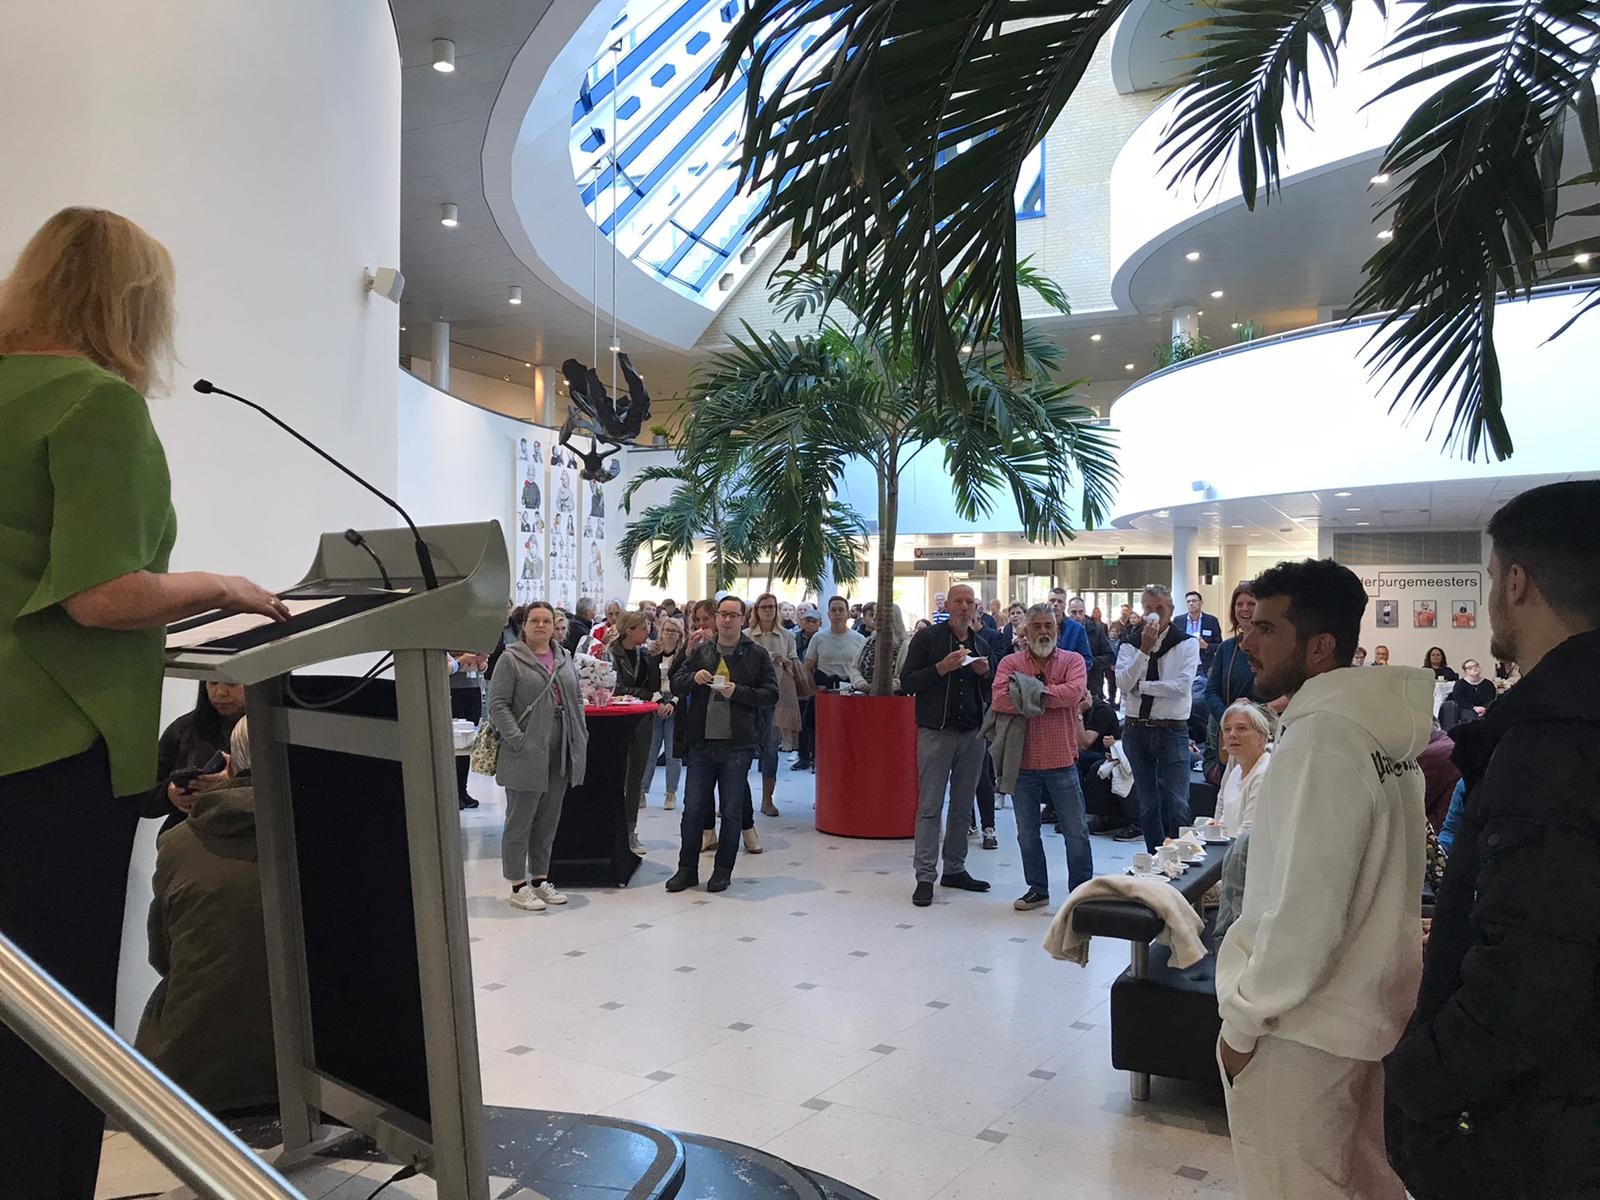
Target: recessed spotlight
[444, 55]
[515, 295]
[1233, 324]
[967, 349]
[449, 216]
[1385, 234]
[1217, 295]
[1352, 510]
[402, 329]
[527, 364]
[1583, 258]
[507, 378]
[1127, 366]
[1341, 495]
[1094, 337]
[1193, 256]
[1380, 180]
[1363, 522]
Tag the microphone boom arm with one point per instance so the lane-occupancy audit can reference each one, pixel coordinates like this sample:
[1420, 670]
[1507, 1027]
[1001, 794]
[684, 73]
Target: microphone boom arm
[430, 580]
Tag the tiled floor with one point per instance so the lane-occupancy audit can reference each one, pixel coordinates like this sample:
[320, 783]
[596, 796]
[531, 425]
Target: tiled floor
[811, 1010]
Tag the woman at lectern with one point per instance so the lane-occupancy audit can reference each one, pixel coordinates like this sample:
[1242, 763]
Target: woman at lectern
[86, 527]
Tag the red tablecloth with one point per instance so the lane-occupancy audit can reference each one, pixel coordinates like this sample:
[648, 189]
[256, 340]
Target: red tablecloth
[866, 766]
[616, 710]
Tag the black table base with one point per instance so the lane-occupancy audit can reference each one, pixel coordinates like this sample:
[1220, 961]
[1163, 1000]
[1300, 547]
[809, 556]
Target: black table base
[591, 847]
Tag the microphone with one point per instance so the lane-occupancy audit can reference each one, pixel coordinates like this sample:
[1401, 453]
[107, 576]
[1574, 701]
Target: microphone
[424, 560]
[354, 537]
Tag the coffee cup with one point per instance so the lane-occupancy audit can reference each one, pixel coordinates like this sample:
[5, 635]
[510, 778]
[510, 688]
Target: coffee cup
[1188, 831]
[1143, 863]
[1166, 855]
[1188, 847]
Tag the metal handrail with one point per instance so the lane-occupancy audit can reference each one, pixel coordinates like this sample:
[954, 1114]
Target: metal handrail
[85, 1051]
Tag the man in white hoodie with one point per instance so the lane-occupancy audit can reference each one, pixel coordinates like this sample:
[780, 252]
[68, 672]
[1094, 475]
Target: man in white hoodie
[1317, 977]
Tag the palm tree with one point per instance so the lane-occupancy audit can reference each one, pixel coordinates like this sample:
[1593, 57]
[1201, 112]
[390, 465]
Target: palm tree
[796, 411]
[715, 504]
[854, 148]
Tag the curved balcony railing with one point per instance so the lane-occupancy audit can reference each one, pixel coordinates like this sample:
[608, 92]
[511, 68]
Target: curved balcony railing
[1303, 411]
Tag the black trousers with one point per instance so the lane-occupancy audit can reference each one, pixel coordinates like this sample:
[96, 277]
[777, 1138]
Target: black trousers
[466, 704]
[808, 730]
[65, 846]
[984, 796]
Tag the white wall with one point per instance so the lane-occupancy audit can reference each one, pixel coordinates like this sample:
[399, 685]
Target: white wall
[261, 143]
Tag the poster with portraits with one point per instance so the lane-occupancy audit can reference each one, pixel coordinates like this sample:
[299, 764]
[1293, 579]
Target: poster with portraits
[528, 571]
[593, 550]
[565, 504]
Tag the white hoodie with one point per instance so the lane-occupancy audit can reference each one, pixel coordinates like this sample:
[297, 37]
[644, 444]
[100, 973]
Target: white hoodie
[1327, 950]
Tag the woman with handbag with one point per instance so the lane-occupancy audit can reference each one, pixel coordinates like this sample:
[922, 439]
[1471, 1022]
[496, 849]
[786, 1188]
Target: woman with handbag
[536, 710]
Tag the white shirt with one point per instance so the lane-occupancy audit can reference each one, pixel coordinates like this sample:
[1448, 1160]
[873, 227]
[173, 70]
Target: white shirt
[1173, 687]
[1236, 799]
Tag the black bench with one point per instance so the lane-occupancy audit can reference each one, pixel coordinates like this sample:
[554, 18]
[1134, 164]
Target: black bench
[1163, 1020]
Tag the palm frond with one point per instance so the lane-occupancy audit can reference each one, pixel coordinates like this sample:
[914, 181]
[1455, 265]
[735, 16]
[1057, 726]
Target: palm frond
[1254, 65]
[893, 149]
[1479, 162]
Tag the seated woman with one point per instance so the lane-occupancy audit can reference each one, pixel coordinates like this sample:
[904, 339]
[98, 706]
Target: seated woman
[1247, 731]
[1472, 693]
[1436, 662]
[208, 1024]
[189, 743]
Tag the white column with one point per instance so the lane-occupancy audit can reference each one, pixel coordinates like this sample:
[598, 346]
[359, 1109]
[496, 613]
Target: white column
[1324, 541]
[1235, 567]
[1185, 321]
[439, 355]
[1185, 563]
[547, 407]
[1002, 581]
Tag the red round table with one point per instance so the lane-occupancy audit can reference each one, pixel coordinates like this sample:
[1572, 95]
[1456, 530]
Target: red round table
[866, 765]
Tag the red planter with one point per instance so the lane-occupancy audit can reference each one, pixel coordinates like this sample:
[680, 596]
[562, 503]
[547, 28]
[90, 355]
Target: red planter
[866, 766]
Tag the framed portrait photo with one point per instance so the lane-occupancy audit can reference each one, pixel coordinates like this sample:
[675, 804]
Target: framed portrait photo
[1463, 614]
[1424, 614]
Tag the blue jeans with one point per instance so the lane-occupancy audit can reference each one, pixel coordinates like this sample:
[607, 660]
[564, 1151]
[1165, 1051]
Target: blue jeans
[724, 769]
[1160, 762]
[768, 746]
[661, 737]
[1060, 787]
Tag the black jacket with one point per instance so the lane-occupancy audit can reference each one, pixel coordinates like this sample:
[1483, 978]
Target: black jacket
[638, 674]
[755, 687]
[956, 700]
[1494, 1090]
[190, 741]
[1103, 653]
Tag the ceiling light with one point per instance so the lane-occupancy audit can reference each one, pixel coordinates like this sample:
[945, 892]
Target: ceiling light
[515, 296]
[1363, 522]
[1380, 180]
[527, 364]
[1236, 527]
[1352, 510]
[1341, 495]
[449, 217]
[1385, 234]
[1127, 366]
[1094, 337]
[1217, 295]
[444, 55]
[967, 349]
[402, 329]
[1193, 256]
[616, 347]
[1583, 258]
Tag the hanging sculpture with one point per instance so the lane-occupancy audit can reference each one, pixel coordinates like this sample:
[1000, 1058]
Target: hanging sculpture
[606, 421]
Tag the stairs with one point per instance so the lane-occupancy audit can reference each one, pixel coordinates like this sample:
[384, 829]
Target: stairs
[570, 1156]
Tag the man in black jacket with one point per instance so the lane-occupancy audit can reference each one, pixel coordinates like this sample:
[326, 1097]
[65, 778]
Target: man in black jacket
[1102, 654]
[947, 668]
[1494, 1089]
[727, 680]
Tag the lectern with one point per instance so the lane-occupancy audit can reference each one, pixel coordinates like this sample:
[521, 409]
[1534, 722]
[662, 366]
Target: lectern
[359, 843]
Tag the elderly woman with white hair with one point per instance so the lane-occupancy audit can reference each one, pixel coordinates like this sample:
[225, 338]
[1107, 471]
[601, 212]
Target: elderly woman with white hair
[1247, 732]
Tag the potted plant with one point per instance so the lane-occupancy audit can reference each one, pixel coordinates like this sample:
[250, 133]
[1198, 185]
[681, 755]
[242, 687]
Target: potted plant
[795, 411]
[659, 435]
[1181, 348]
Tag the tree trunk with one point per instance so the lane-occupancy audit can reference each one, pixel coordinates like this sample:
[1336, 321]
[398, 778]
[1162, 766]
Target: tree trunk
[883, 680]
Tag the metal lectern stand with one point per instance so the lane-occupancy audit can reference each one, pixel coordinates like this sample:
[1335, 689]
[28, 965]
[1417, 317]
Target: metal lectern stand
[403, 826]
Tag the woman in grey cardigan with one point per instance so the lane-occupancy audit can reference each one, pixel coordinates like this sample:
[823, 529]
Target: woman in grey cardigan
[536, 706]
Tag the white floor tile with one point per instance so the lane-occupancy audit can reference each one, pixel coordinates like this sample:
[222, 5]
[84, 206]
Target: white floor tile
[695, 1106]
[888, 1159]
[909, 1086]
[772, 1063]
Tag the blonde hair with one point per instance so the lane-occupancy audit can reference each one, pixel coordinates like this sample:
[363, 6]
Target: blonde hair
[93, 282]
[625, 622]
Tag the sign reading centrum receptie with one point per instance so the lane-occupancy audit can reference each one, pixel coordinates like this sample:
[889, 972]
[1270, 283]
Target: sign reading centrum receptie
[944, 558]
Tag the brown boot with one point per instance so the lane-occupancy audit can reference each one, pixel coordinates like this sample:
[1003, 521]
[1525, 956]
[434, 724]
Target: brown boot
[768, 808]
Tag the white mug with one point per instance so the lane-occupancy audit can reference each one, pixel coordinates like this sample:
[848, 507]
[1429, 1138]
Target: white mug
[1188, 847]
[1166, 854]
[1143, 863]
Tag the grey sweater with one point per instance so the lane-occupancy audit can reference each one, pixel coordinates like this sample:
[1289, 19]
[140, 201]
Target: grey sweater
[525, 751]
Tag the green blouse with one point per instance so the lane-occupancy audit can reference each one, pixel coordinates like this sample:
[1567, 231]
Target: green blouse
[84, 497]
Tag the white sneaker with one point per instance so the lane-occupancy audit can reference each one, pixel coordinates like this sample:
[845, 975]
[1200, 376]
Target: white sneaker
[752, 843]
[636, 845]
[672, 801]
[546, 891]
[527, 899]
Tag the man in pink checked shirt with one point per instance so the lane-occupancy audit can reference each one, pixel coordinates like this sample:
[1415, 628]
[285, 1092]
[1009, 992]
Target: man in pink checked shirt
[1049, 754]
